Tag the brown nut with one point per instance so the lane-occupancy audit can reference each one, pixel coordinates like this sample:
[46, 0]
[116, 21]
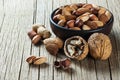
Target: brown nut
[59, 11]
[30, 59]
[100, 46]
[85, 17]
[65, 64]
[94, 11]
[40, 30]
[73, 6]
[57, 64]
[71, 23]
[81, 11]
[56, 40]
[75, 28]
[70, 17]
[61, 23]
[78, 22]
[36, 39]
[31, 34]
[93, 17]
[76, 47]
[39, 60]
[36, 26]
[94, 24]
[101, 11]
[46, 34]
[86, 27]
[52, 48]
[88, 6]
[58, 17]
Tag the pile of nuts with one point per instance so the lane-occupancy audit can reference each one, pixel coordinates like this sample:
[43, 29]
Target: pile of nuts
[38, 33]
[81, 16]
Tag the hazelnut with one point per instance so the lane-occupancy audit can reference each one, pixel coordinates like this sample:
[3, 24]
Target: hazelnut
[36, 26]
[40, 30]
[76, 47]
[31, 34]
[36, 39]
[46, 34]
[100, 46]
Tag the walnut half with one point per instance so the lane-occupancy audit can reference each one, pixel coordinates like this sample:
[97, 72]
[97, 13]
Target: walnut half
[76, 47]
[100, 46]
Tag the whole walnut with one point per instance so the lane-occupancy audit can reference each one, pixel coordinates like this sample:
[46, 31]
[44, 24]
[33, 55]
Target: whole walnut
[100, 46]
[76, 48]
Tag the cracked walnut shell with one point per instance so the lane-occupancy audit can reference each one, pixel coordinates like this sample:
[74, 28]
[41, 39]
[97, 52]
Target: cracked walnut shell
[76, 47]
[100, 46]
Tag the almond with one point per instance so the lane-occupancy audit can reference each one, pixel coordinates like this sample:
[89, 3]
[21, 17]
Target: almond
[30, 59]
[61, 23]
[36, 39]
[40, 60]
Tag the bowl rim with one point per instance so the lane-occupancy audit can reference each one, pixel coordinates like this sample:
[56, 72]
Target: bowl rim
[92, 30]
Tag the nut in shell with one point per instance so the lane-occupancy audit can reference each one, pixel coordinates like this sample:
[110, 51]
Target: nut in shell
[36, 39]
[52, 48]
[100, 46]
[76, 47]
[31, 34]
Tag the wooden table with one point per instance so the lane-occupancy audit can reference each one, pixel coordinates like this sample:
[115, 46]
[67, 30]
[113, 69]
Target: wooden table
[16, 18]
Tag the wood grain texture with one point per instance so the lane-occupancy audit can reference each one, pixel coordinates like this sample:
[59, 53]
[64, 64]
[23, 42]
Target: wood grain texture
[16, 19]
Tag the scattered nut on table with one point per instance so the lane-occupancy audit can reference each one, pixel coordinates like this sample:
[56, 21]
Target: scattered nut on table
[100, 46]
[76, 47]
[36, 60]
[53, 45]
[79, 15]
[38, 33]
[64, 64]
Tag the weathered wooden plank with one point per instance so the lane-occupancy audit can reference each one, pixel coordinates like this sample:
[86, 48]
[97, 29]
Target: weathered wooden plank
[114, 6]
[44, 8]
[15, 44]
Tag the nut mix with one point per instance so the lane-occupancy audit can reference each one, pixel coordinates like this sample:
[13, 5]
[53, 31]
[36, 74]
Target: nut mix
[83, 16]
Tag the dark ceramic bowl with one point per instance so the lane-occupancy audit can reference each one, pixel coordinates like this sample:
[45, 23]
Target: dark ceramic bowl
[65, 33]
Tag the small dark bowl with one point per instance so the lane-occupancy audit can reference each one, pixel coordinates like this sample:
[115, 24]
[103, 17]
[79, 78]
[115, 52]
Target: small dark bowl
[65, 33]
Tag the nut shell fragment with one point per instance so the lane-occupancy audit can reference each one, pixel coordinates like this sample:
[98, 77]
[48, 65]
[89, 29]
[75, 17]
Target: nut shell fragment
[40, 60]
[100, 46]
[76, 47]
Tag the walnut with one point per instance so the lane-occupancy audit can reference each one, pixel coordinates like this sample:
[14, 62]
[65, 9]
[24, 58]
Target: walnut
[76, 47]
[100, 46]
